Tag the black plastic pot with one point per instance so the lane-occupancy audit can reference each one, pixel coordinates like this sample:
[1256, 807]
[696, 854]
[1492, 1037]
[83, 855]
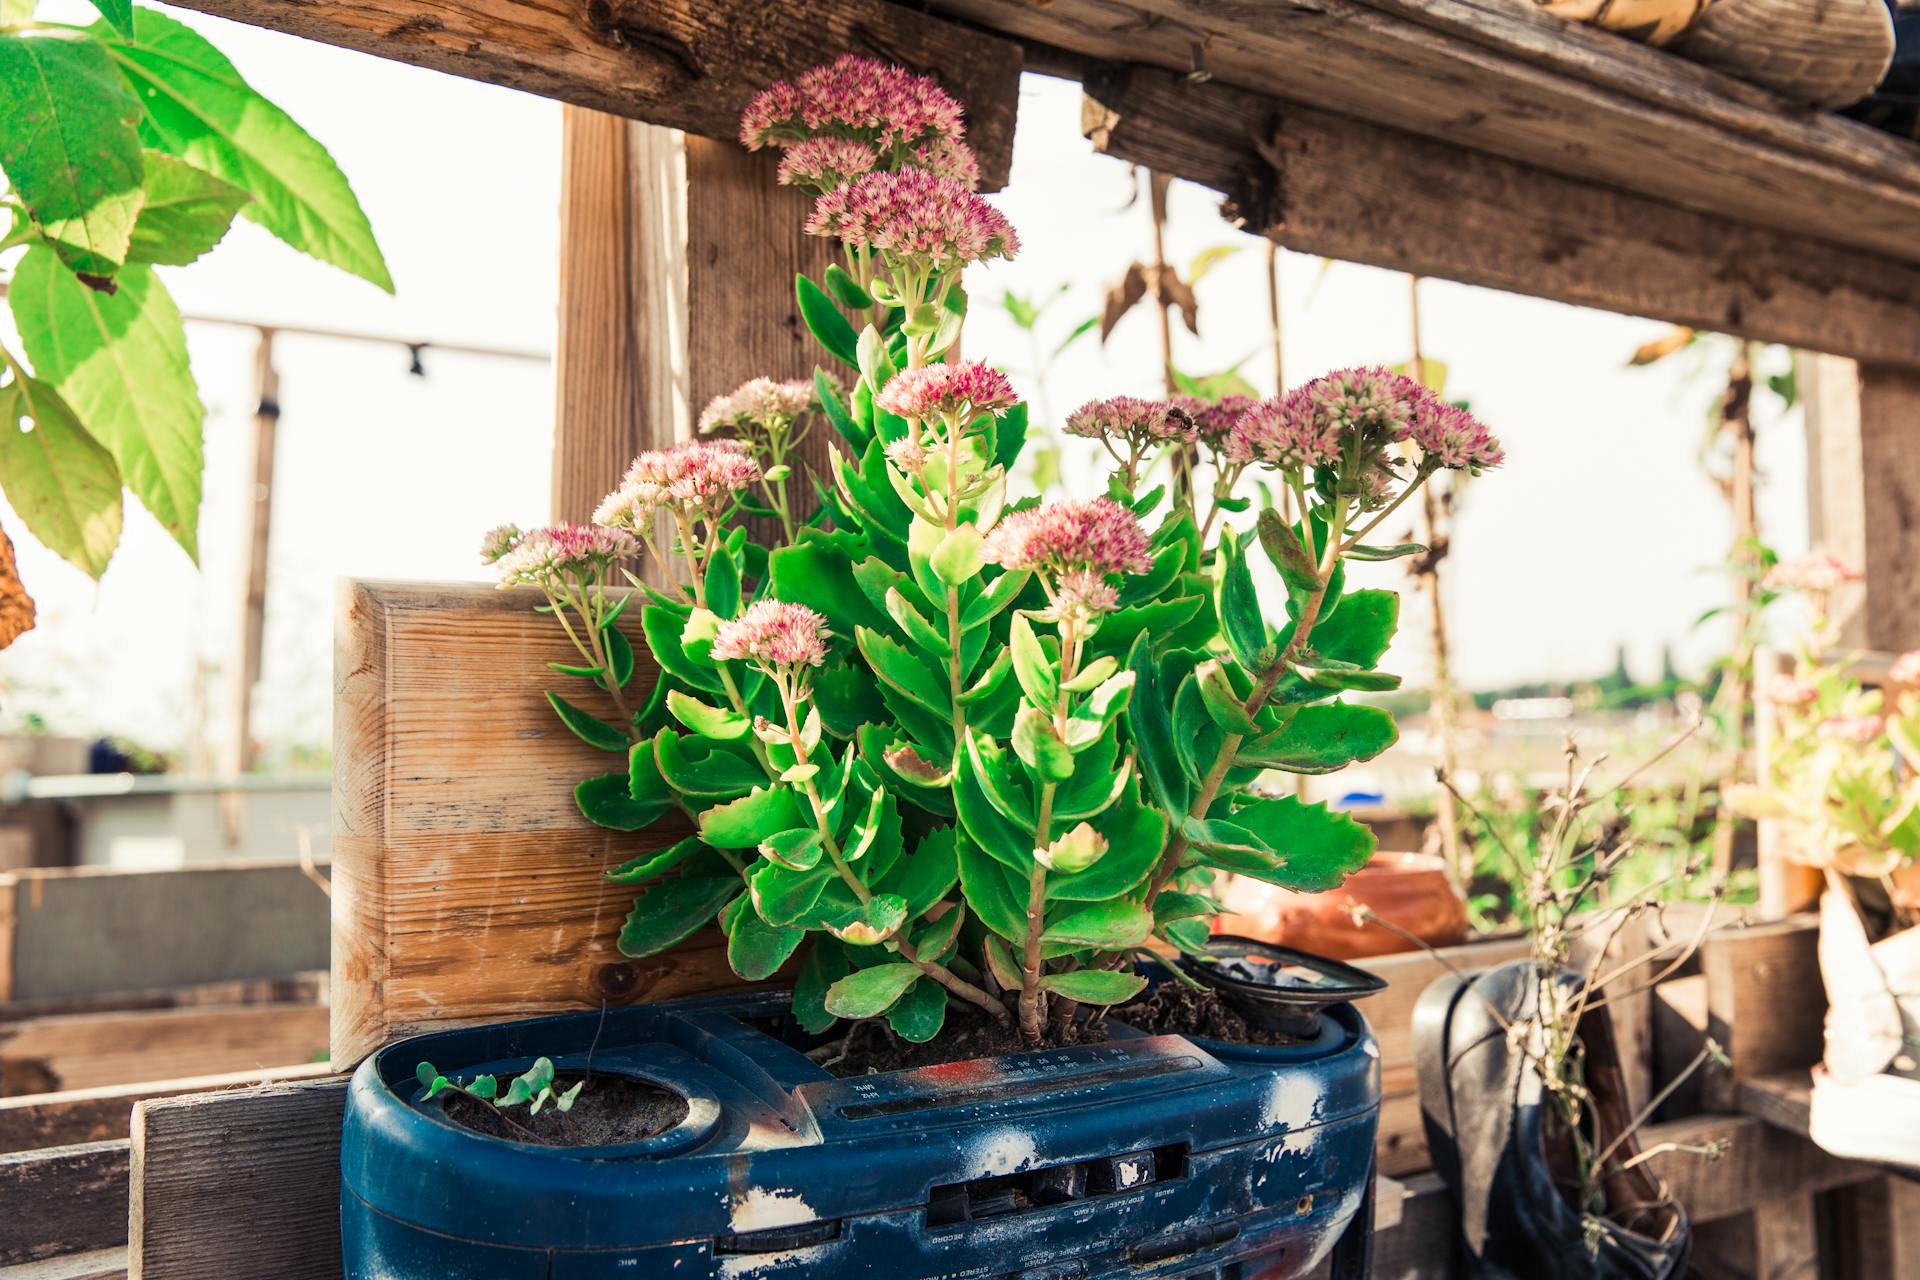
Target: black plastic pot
[1277, 988]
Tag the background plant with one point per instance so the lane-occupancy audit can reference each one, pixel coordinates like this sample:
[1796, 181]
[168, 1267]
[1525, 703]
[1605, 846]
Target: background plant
[130, 144]
[971, 747]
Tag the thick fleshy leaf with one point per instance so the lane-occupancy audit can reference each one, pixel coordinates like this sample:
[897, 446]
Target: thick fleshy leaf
[787, 897]
[1005, 969]
[589, 728]
[1033, 666]
[1321, 739]
[1150, 724]
[923, 633]
[846, 699]
[120, 360]
[866, 993]
[1155, 622]
[1000, 593]
[826, 323]
[672, 910]
[607, 801]
[990, 893]
[820, 576]
[61, 482]
[1172, 906]
[722, 584]
[1136, 835]
[647, 866]
[1360, 627]
[1318, 848]
[745, 822]
[708, 721]
[756, 949]
[663, 627]
[200, 109]
[986, 826]
[904, 671]
[826, 964]
[1222, 703]
[924, 876]
[703, 768]
[918, 1016]
[185, 213]
[797, 850]
[1283, 546]
[1109, 925]
[869, 923]
[1095, 986]
[1040, 748]
[70, 150]
[1237, 604]
[619, 652]
[1096, 784]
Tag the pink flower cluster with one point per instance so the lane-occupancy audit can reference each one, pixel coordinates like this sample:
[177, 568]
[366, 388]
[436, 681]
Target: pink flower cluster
[852, 97]
[1215, 419]
[947, 158]
[954, 393]
[758, 403]
[1857, 729]
[1816, 572]
[1356, 413]
[1791, 691]
[545, 557]
[774, 635]
[1906, 669]
[1092, 536]
[1453, 438]
[915, 215]
[1133, 419]
[698, 477]
[821, 164]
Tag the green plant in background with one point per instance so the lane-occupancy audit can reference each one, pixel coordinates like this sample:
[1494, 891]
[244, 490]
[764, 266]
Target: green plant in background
[961, 746]
[1026, 311]
[131, 144]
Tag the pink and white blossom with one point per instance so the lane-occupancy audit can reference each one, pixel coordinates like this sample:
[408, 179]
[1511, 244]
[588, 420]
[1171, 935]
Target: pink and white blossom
[1340, 414]
[546, 557]
[1095, 535]
[1214, 419]
[699, 477]
[1906, 669]
[1816, 572]
[775, 635]
[1451, 437]
[915, 216]
[946, 157]
[821, 164]
[760, 403]
[498, 541]
[1132, 418]
[1791, 691]
[949, 392]
[852, 97]
[1856, 729]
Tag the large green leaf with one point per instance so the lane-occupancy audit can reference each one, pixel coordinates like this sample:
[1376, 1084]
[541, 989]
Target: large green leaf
[668, 912]
[917, 1016]
[868, 992]
[756, 949]
[923, 877]
[902, 669]
[69, 145]
[990, 892]
[120, 360]
[826, 964]
[820, 576]
[200, 109]
[1317, 848]
[1321, 739]
[1111, 925]
[1150, 723]
[745, 822]
[784, 897]
[185, 214]
[607, 801]
[1136, 835]
[823, 318]
[61, 482]
[1094, 986]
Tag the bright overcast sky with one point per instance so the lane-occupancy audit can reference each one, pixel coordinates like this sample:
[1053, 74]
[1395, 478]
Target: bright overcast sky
[1601, 531]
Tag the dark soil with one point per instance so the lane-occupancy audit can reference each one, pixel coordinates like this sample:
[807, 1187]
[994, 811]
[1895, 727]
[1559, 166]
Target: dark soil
[610, 1110]
[1173, 1008]
[871, 1047]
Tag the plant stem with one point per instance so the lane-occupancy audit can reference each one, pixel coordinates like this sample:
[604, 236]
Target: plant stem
[1032, 1010]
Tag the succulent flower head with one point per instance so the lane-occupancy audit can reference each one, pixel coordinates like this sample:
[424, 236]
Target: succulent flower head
[1856, 729]
[821, 164]
[1790, 691]
[759, 404]
[1451, 437]
[696, 478]
[1906, 669]
[915, 218]
[946, 157]
[498, 541]
[952, 393]
[852, 97]
[1068, 539]
[546, 557]
[773, 635]
[1214, 419]
[1816, 572]
[1139, 421]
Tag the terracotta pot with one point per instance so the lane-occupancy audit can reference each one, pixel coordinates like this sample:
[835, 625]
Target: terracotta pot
[1409, 889]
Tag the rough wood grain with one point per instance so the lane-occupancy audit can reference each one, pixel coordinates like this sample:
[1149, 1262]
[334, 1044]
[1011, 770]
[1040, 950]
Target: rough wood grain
[302, 988]
[86, 931]
[1497, 77]
[677, 63]
[459, 855]
[240, 1183]
[1759, 1164]
[101, 1114]
[1765, 1002]
[84, 1051]
[62, 1201]
[99, 1264]
[1330, 185]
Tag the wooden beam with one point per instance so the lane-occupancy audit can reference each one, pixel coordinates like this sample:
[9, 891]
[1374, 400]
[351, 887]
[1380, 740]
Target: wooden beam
[677, 63]
[1762, 1033]
[72, 932]
[101, 1114]
[1509, 80]
[1863, 479]
[84, 1051]
[61, 1201]
[1335, 186]
[459, 853]
[240, 1183]
[100, 1264]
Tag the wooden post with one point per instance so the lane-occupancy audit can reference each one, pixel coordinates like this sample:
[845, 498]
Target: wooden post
[245, 675]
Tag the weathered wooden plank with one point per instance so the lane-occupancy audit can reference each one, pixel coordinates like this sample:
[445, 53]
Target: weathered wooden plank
[1499, 77]
[1758, 1165]
[34, 1121]
[669, 62]
[458, 851]
[1335, 186]
[62, 1201]
[1762, 1031]
[85, 931]
[240, 1183]
[99, 1264]
[83, 1051]
[304, 988]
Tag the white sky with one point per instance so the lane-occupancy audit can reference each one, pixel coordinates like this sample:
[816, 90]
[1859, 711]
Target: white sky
[1602, 529]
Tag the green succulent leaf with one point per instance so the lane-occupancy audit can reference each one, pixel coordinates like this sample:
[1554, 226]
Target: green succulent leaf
[820, 576]
[798, 849]
[1095, 986]
[1222, 703]
[485, 1088]
[607, 801]
[1172, 906]
[723, 583]
[925, 876]
[916, 627]
[590, 729]
[1136, 835]
[1112, 925]
[900, 669]
[707, 721]
[619, 652]
[671, 911]
[826, 964]
[989, 604]
[1040, 748]
[744, 823]
[1318, 848]
[1360, 551]
[990, 892]
[845, 289]
[1150, 723]
[1289, 555]
[825, 322]
[655, 863]
[704, 768]
[1033, 666]
[787, 897]
[957, 559]
[756, 949]
[1321, 739]
[867, 993]
[918, 1016]
[663, 627]
[1237, 604]
[869, 923]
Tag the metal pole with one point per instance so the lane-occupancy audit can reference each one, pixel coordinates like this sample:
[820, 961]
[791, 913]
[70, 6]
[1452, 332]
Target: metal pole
[253, 604]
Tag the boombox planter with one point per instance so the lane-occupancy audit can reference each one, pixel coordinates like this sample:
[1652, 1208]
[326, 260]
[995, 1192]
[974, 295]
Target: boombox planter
[1143, 1156]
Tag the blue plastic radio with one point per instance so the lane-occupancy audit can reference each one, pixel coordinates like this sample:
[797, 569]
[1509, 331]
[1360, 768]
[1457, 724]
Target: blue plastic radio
[1141, 1157]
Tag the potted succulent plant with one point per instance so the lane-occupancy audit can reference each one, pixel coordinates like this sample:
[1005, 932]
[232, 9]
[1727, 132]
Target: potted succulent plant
[956, 769]
[1842, 785]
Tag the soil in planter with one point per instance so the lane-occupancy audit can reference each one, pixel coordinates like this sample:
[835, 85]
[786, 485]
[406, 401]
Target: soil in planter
[871, 1047]
[1173, 1008]
[612, 1109]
